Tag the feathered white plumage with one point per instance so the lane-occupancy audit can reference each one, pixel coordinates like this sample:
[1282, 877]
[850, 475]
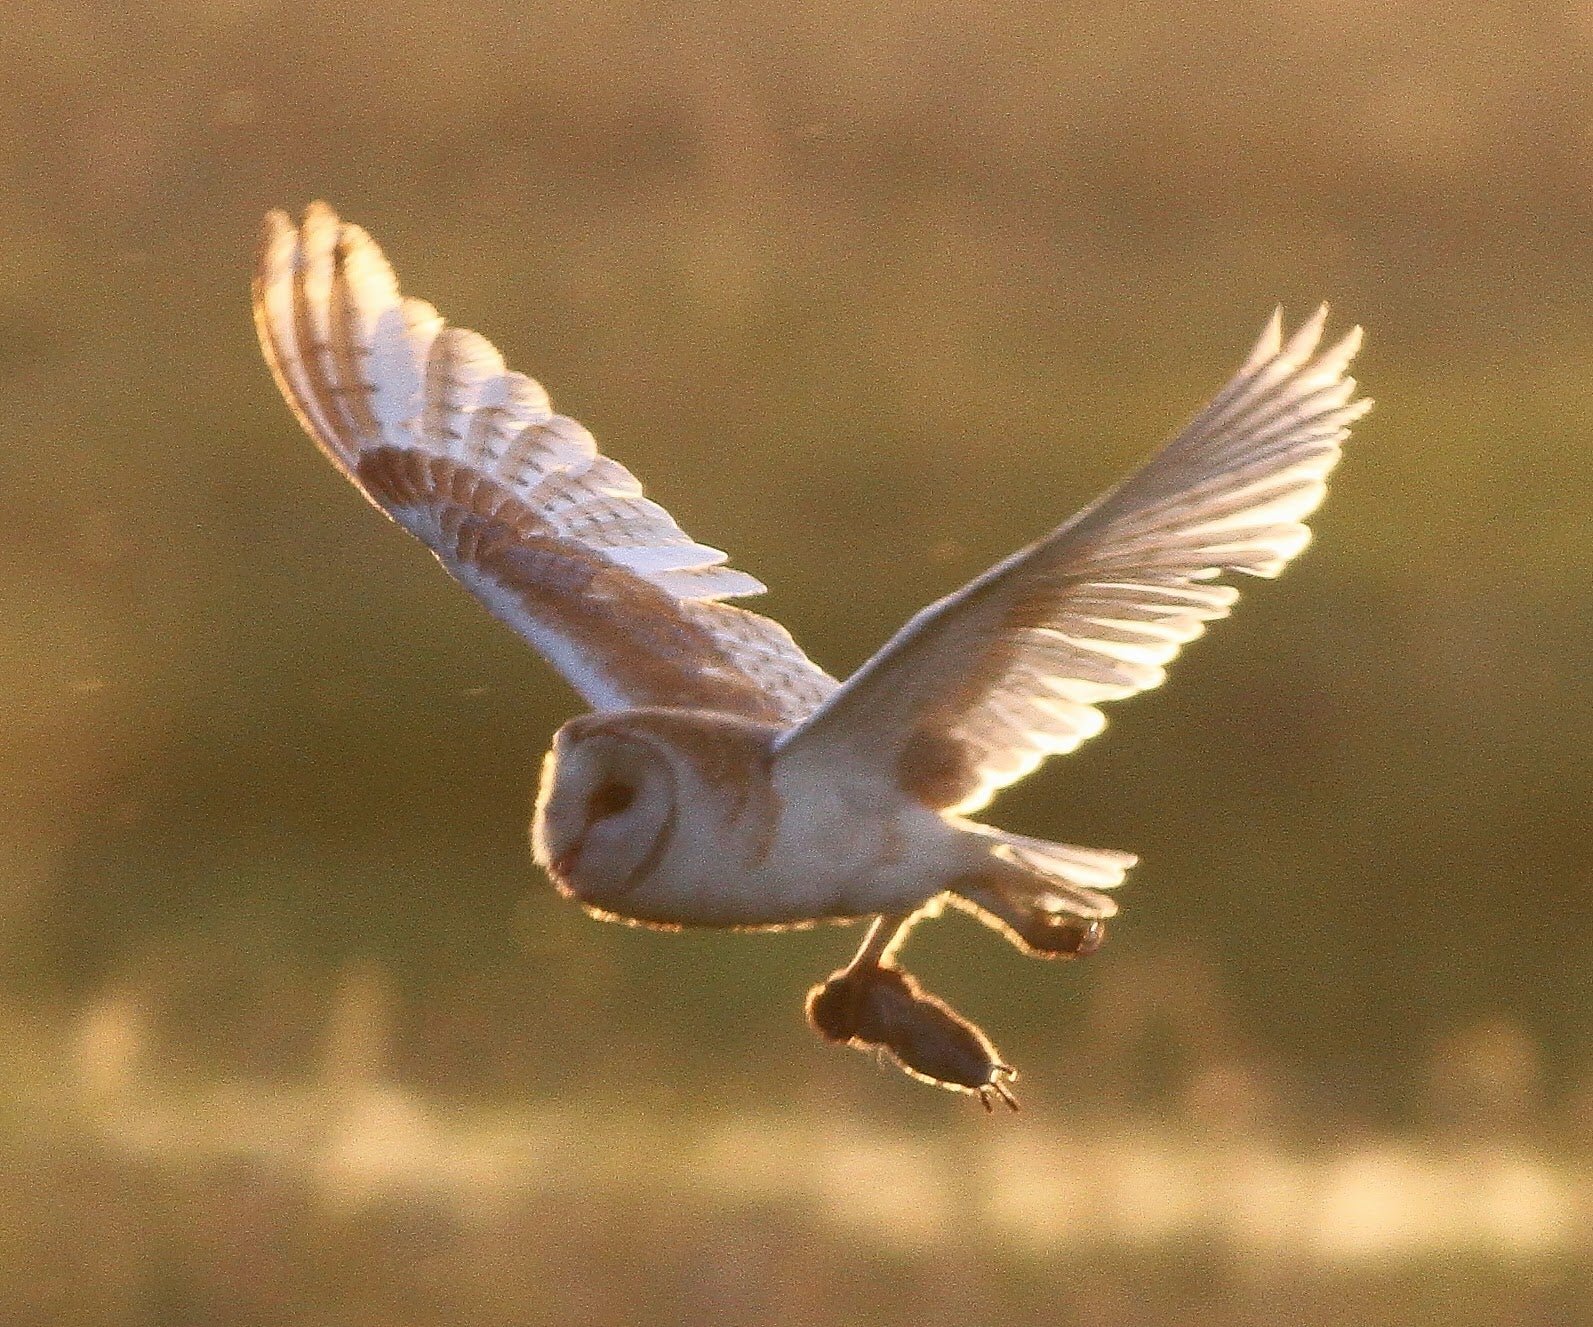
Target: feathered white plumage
[726, 779]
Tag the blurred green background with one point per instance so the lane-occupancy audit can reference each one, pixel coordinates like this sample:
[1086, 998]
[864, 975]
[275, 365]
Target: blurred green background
[293, 1031]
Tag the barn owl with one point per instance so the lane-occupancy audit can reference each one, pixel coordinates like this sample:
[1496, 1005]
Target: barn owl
[722, 779]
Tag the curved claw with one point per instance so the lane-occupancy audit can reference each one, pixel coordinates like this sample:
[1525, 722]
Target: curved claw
[996, 1088]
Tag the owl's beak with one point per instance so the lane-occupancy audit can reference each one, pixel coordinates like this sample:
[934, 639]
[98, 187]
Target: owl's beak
[564, 863]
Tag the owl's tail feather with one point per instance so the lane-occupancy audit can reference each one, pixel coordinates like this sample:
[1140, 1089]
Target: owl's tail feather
[1044, 897]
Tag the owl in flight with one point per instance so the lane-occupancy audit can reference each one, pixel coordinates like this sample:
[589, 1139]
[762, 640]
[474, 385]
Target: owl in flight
[722, 778]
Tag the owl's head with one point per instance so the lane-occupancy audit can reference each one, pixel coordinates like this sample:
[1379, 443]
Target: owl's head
[605, 811]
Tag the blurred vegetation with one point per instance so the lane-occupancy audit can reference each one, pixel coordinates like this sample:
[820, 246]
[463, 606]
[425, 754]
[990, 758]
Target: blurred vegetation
[867, 295]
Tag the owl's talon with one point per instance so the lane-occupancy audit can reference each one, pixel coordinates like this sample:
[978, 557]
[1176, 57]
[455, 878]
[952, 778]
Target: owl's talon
[1031, 929]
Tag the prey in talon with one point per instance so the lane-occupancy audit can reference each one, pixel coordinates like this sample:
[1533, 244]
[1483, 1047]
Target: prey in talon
[871, 1004]
[722, 779]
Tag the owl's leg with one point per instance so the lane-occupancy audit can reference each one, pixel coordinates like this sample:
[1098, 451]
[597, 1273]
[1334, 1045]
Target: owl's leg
[1035, 929]
[874, 1004]
[1041, 911]
[1044, 897]
[886, 936]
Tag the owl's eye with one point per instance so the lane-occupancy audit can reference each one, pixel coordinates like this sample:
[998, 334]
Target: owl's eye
[610, 799]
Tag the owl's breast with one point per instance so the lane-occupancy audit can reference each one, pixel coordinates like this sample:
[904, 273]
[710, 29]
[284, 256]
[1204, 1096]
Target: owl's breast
[748, 842]
[780, 851]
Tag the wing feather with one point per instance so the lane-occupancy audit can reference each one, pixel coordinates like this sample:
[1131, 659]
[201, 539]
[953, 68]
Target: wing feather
[978, 689]
[515, 501]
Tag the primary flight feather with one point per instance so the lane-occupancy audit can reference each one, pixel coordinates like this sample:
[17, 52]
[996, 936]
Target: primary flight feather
[514, 500]
[726, 780]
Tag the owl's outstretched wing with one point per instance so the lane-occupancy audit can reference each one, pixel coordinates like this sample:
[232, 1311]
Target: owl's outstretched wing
[977, 689]
[515, 501]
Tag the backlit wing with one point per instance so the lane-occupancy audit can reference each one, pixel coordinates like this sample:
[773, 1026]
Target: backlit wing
[515, 501]
[977, 689]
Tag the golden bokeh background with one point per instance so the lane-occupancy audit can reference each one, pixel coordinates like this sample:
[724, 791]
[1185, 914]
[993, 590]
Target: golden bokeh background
[292, 1030]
